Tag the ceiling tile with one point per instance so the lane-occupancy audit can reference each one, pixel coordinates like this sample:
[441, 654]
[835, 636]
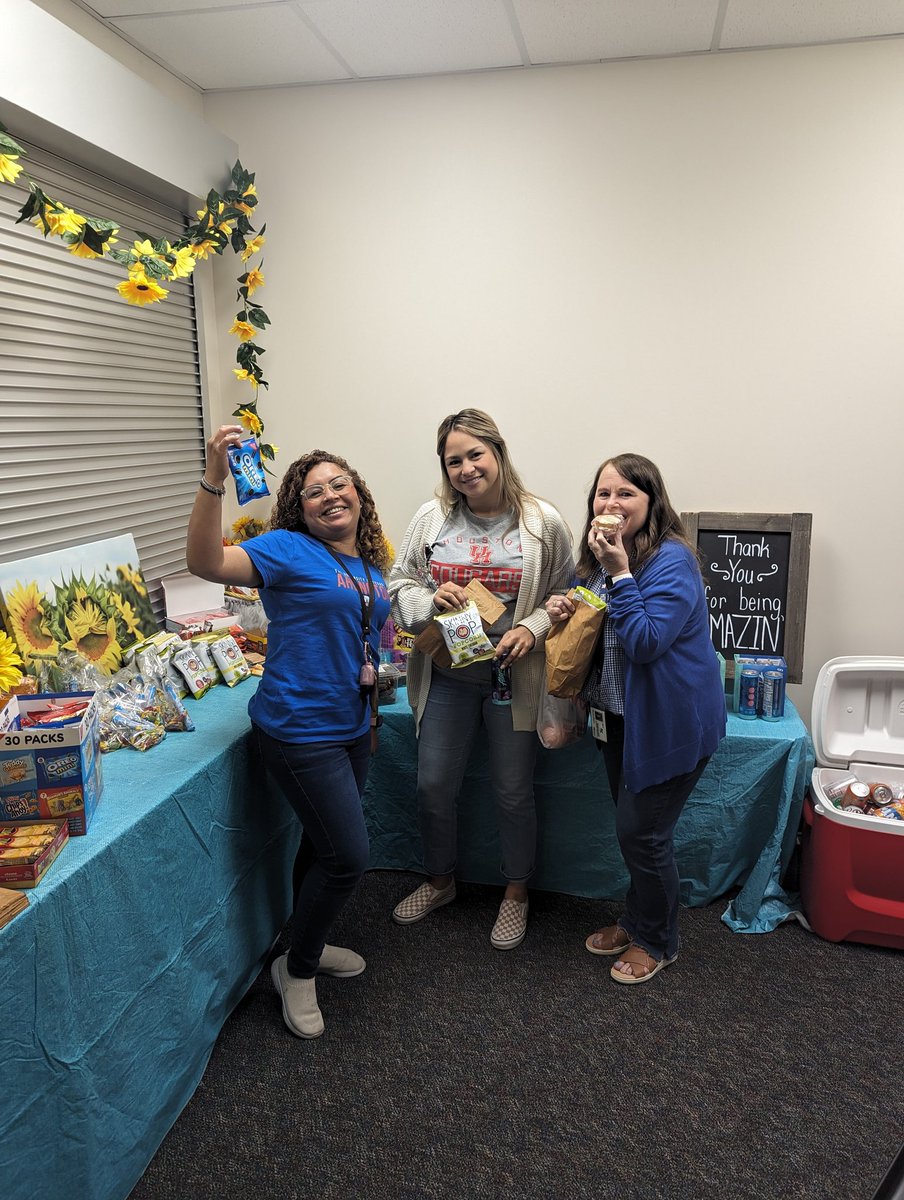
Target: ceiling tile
[588, 30]
[415, 37]
[235, 48]
[796, 22]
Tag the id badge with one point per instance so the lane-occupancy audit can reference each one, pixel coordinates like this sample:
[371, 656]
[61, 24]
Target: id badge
[598, 724]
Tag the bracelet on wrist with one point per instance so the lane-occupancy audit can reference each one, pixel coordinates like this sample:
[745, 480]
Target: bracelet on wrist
[208, 487]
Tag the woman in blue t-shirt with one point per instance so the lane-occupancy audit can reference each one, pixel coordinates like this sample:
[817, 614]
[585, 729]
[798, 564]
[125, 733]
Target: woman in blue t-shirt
[318, 568]
[655, 694]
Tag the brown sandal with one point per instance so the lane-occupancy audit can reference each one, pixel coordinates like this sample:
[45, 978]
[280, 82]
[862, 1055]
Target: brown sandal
[638, 960]
[611, 940]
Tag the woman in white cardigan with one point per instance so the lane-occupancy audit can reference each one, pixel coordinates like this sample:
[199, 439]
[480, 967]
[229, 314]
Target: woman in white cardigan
[483, 525]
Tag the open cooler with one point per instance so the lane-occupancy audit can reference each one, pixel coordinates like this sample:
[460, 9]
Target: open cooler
[852, 863]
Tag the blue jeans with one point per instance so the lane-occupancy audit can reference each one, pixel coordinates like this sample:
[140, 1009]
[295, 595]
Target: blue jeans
[645, 827]
[323, 782]
[458, 703]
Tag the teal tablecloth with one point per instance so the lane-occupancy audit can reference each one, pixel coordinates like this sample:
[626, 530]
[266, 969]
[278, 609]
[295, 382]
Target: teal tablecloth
[737, 830]
[135, 947]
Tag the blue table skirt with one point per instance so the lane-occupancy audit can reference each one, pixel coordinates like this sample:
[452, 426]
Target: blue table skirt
[136, 946]
[738, 828]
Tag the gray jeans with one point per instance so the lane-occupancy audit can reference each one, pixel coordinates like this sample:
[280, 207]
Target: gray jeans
[459, 702]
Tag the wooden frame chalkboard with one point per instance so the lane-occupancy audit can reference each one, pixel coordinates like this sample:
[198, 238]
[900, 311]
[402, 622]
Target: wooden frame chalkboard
[756, 568]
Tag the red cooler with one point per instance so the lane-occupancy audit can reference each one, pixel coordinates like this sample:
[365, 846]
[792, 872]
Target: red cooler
[852, 863]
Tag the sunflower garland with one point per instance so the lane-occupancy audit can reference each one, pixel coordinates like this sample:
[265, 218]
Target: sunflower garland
[224, 221]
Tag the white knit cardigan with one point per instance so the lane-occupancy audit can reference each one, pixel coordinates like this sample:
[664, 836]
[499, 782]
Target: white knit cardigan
[547, 567]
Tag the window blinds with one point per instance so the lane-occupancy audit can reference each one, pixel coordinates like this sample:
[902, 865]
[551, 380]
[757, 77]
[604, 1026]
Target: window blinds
[100, 401]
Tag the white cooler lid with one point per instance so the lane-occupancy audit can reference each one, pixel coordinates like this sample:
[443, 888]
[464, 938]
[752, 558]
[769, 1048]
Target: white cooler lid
[858, 712]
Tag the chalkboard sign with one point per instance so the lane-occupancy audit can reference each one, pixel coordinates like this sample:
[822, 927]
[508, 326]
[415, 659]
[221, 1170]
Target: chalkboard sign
[756, 567]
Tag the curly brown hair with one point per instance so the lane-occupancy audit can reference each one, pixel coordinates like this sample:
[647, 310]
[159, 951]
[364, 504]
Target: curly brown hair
[662, 521]
[288, 511]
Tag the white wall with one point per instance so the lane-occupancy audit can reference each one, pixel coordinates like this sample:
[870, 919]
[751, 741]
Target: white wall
[699, 259]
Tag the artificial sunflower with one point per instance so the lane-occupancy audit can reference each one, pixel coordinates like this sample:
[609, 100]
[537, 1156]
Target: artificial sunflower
[185, 262]
[10, 663]
[62, 220]
[242, 330]
[80, 250]
[253, 247]
[247, 209]
[253, 280]
[251, 421]
[9, 167]
[203, 249]
[29, 620]
[138, 289]
[241, 374]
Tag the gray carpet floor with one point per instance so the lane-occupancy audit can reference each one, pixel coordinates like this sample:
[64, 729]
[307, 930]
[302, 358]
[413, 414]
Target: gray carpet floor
[757, 1067]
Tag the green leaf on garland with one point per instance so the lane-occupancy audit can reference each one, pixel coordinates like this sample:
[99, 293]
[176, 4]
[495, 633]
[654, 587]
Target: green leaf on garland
[8, 146]
[266, 450]
[213, 201]
[238, 241]
[258, 318]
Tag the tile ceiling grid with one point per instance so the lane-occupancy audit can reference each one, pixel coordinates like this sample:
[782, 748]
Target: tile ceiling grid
[225, 45]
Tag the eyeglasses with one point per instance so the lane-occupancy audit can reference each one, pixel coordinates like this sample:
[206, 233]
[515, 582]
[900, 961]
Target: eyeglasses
[338, 485]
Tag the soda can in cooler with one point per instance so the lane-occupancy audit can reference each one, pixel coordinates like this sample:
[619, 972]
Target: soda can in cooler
[747, 695]
[835, 791]
[773, 695]
[856, 798]
[502, 683]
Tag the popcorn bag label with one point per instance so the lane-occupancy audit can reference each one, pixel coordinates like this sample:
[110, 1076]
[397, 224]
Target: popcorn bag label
[464, 636]
[248, 471]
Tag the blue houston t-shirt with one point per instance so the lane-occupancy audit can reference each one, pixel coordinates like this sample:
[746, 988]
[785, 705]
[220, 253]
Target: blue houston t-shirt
[309, 691]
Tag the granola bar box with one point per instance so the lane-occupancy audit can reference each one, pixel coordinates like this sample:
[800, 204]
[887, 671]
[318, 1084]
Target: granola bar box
[28, 849]
[50, 767]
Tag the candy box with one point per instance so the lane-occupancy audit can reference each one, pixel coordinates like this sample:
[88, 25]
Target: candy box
[852, 862]
[53, 770]
[193, 601]
[27, 850]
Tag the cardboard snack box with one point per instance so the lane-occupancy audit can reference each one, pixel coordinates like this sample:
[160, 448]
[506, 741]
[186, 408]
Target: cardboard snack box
[49, 771]
[27, 850]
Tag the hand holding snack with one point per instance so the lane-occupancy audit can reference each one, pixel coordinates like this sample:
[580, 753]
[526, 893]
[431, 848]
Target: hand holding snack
[449, 596]
[217, 470]
[605, 542]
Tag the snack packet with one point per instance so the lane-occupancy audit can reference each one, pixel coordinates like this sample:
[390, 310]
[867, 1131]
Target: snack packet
[229, 659]
[463, 634]
[247, 471]
[198, 678]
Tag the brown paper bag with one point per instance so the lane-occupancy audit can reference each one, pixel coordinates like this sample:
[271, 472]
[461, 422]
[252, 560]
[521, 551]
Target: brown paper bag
[430, 641]
[570, 647]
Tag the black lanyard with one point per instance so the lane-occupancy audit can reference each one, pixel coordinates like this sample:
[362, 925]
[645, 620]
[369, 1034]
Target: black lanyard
[366, 604]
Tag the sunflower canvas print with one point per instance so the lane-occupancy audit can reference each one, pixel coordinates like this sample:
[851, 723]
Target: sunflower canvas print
[91, 599]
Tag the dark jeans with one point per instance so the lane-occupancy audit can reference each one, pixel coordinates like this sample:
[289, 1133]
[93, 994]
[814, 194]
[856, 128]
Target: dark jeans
[458, 703]
[323, 782]
[645, 827]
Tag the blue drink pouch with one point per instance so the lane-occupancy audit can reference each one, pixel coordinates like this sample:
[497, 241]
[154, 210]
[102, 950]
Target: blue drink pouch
[247, 471]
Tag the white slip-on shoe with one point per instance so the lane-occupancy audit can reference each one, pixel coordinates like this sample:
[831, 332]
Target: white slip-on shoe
[422, 900]
[340, 963]
[511, 925]
[300, 1010]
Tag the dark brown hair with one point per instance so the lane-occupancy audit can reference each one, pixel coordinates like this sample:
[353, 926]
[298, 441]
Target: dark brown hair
[662, 521]
[288, 512]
